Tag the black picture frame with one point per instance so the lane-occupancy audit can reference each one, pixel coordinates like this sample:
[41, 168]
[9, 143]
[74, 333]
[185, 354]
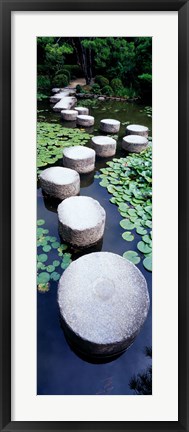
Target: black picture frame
[182, 6]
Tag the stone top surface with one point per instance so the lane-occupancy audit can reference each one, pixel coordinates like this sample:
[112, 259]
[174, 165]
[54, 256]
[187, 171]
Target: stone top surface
[85, 117]
[78, 152]
[59, 175]
[66, 111]
[137, 128]
[65, 101]
[103, 140]
[135, 139]
[80, 213]
[80, 108]
[111, 121]
[103, 298]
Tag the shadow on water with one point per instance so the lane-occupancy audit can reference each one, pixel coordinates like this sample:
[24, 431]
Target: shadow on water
[62, 370]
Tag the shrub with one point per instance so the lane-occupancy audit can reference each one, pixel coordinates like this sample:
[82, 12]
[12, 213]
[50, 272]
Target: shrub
[116, 84]
[101, 81]
[74, 70]
[95, 89]
[64, 72]
[43, 83]
[79, 89]
[107, 90]
[60, 80]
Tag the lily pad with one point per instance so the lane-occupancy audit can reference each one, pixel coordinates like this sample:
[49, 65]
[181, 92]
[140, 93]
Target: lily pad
[42, 258]
[128, 236]
[144, 247]
[147, 263]
[43, 278]
[132, 256]
[126, 224]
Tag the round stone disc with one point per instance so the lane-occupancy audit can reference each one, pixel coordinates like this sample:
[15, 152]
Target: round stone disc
[60, 182]
[79, 158]
[104, 146]
[136, 129]
[81, 221]
[104, 301]
[110, 125]
[134, 143]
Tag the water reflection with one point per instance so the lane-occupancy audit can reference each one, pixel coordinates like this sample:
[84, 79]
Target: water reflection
[141, 384]
[83, 356]
[86, 179]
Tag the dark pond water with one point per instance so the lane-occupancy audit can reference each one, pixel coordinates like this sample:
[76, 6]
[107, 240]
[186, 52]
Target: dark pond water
[60, 370]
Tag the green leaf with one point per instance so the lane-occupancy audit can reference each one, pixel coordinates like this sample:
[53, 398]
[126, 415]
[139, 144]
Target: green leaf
[55, 245]
[147, 239]
[132, 256]
[128, 236]
[50, 268]
[123, 207]
[126, 224]
[55, 276]
[42, 258]
[144, 247]
[43, 278]
[56, 263]
[147, 263]
[141, 231]
[40, 222]
[46, 248]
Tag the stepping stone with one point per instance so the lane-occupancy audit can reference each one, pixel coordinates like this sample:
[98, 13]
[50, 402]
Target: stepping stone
[85, 120]
[82, 110]
[110, 125]
[79, 158]
[104, 146]
[60, 182]
[135, 129]
[56, 90]
[81, 221]
[57, 97]
[134, 143]
[65, 103]
[103, 301]
[69, 115]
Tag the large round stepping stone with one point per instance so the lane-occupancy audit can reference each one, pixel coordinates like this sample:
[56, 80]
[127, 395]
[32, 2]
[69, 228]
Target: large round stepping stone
[82, 110]
[104, 146]
[60, 182]
[69, 115]
[81, 221]
[136, 129]
[79, 158]
[85, 120]
[104, 301]
[65, 103]
[110, 125]
[134, 143]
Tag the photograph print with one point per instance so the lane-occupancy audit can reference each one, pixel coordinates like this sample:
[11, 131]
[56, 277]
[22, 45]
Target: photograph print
[94, 215]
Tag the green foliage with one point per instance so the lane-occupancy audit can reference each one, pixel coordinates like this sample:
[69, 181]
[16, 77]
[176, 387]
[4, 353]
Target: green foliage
[129, 180]
[96, 89]
[74, 70]
[107, 90]
[90, 103]
[64, 72]
[49, 265]
[101, 81]
[79, 89]
[52, 138]
[60, 80]
[116, 84]
[132, 256]
[43, 83]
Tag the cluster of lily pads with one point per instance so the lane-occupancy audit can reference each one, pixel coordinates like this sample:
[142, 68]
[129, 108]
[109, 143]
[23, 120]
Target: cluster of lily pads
[129, 180]
[52, 138]
[49, 265]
